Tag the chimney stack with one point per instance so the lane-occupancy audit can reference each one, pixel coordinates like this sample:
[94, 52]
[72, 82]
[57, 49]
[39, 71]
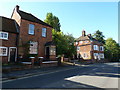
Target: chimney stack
[83, 33]
[17, 8]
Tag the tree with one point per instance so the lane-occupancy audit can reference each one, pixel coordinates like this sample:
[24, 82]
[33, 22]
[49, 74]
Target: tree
[98, 35]
[112, 50]
[64, 43]
[53, 21]
[71, 50]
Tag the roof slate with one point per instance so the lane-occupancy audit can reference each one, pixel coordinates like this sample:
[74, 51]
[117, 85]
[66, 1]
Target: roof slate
[32, 18]
[8, 25]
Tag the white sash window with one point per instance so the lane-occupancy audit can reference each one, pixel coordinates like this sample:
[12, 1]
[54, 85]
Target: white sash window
[52, 51]
[3, 51]
[95, 47]
[101, 48]
[31, 29]
[44, 32]
[4, 35]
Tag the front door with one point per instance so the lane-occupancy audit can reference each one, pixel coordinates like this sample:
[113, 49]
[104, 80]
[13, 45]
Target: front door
[47, 53]
[12, 54]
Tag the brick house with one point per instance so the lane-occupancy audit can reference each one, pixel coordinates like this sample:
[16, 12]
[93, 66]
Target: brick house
[36, 33]
[89, 48]
[9, 32]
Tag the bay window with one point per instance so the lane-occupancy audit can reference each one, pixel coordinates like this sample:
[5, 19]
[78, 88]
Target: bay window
[33, 47]
[52, 51]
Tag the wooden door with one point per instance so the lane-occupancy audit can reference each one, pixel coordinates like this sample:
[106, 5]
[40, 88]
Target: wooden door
[12, 54]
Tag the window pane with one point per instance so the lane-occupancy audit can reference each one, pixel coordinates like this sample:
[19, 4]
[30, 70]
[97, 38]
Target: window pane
[3, 51]
[44, 32]
[3, 35]
[31, 29]
[33, 48]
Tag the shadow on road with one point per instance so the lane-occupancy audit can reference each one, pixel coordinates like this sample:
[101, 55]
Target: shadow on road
[73, 78]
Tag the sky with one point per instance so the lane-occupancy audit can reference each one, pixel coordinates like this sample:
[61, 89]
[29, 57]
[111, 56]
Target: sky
[73, 16]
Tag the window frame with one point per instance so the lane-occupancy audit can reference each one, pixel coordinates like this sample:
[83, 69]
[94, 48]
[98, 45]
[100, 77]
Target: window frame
[95, 47]
[52, 50]
[78, 48]
[76, 43]
[44, 32]
[101, 48]
[1, 54]
[5, 38]
[29, 29]
[80, 42]
[96, 55]
[86, 42]
[102, 54]
[33, 49]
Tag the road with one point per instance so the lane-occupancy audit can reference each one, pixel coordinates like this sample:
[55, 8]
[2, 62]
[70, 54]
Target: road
[103, 75]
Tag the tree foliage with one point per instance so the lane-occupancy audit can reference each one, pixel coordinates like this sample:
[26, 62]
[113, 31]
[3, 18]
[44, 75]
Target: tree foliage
[112, 50]
[53, 21]
[64, 43]
[98, 35]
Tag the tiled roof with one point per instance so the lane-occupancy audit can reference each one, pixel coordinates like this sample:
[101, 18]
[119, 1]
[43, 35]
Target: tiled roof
[32, 18]
[8, 25]
[87, 37]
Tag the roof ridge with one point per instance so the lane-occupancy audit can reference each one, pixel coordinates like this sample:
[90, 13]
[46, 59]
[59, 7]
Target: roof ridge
[34, 17]
[8, 25]
[7, 18]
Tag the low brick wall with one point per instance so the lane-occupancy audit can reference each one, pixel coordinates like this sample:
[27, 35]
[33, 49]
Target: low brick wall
[49, 63]
[92, 61]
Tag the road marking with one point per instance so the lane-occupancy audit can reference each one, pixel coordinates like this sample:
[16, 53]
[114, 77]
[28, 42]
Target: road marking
[94, 69]
[39, 74]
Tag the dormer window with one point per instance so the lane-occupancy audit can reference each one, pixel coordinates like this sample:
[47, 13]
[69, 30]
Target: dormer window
[31, 29]
[81, 42]
[86, 41]
[4, 35]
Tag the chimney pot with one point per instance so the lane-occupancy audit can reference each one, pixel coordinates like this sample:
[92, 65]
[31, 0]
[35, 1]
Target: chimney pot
[17, 7]
[83, 33]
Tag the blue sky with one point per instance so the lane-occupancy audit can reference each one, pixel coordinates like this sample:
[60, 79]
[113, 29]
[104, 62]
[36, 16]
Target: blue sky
[74, 16]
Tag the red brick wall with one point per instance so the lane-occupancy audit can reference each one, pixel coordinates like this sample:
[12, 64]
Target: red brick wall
[24, 36]
[4, 59]
[88, 48]
[52, 57]
[11, 42]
